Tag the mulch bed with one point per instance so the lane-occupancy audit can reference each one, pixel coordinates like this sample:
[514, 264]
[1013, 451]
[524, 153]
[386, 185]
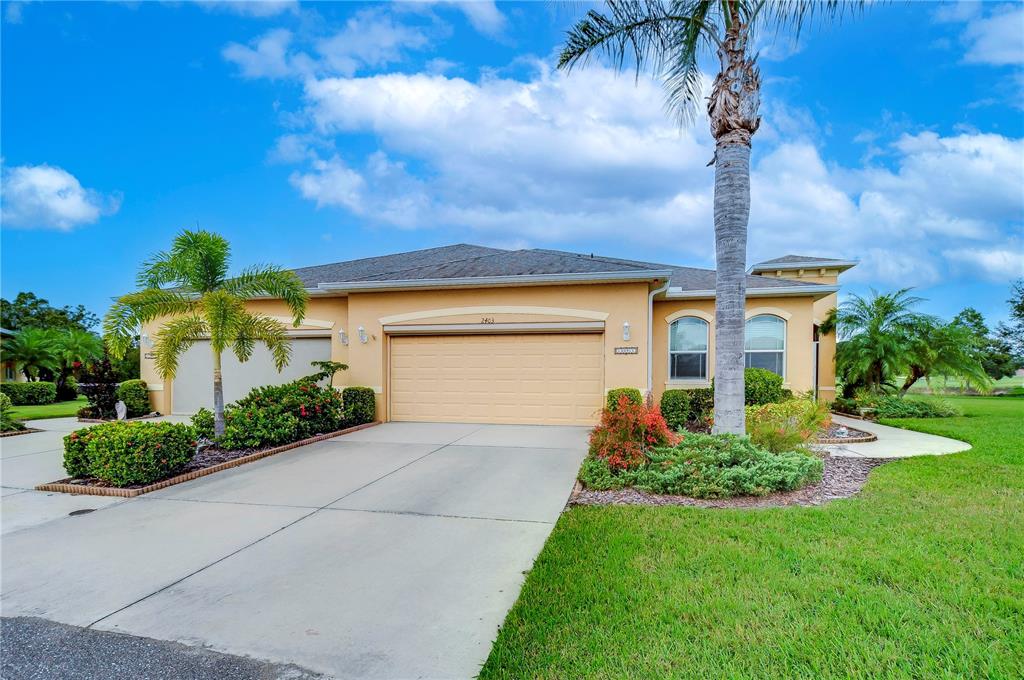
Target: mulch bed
[15, 433]
[206, 462]
[835, 435]
[842, 478]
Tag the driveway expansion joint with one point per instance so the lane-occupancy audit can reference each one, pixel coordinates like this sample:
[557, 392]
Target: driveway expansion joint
[444, 516]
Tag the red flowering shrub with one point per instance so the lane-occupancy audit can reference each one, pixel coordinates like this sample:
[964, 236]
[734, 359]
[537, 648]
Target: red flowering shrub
[627, 432]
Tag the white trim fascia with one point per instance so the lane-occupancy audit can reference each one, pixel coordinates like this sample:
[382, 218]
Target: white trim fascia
[780, 291]
[494, 309]
[803, 264]
[495, 281]
[495, 328]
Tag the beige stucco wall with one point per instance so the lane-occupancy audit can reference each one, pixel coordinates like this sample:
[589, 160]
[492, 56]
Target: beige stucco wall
[321, 314]
[797, 312]
[613, 303]
[616, 303]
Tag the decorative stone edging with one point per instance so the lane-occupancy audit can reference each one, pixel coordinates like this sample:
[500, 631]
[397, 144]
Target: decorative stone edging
[868, 437]
[63, 486]
[15, 433]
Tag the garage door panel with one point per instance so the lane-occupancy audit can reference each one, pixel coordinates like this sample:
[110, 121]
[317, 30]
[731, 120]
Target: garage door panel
[530, 378]
[193, 386]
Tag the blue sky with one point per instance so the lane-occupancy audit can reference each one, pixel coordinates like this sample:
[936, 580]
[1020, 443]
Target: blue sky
[324, 132]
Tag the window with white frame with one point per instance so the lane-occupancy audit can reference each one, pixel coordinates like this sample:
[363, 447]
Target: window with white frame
[765, 343]
[688, 349]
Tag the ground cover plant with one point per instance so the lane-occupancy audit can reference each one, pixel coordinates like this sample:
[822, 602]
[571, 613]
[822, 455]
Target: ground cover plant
[891, 406]
[920, 576]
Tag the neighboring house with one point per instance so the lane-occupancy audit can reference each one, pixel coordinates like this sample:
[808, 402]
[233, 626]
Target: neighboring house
[474, 334]
[10, 370]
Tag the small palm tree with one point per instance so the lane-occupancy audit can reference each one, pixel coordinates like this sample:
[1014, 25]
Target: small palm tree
[190, 287]
[949, 350]
[74, 349]
[32, 350]
[667, 38]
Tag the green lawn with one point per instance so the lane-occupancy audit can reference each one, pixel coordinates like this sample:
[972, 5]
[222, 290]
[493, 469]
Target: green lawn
[942, 384]
[61, 409]
[922, 575]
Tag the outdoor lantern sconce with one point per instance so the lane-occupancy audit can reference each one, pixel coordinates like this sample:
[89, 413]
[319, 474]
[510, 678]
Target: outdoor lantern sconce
[343, 337]
[146, 340]
[625, 330]
[362, 335]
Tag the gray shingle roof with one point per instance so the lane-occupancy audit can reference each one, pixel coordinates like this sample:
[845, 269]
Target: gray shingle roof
[469, 261]
[790, 259]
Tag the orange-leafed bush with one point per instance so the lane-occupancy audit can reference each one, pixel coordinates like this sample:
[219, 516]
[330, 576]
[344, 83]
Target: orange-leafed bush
[627, 432]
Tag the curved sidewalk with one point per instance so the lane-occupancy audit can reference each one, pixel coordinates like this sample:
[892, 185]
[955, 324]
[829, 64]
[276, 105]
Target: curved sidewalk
[893, 442]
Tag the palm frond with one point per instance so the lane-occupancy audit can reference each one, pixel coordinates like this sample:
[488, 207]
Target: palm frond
[271, 281]
[173, 338]
[122, 321]
[197, 260]
[255, 328]
[224, 314]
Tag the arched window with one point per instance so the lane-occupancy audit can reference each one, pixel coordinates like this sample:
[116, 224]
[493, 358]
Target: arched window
[688, 349]
[765, 343]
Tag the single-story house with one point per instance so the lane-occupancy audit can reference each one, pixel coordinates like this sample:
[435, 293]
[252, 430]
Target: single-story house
[467, 333]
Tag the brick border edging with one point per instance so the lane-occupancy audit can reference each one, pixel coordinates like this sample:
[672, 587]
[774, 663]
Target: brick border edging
[848, 440]
[81, 489]
[15, 433]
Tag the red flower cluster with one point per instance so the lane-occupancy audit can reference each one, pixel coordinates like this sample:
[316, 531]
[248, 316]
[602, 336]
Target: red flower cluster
[627, 432]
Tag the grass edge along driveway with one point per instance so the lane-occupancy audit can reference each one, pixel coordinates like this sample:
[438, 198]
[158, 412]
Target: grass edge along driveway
[922, 575]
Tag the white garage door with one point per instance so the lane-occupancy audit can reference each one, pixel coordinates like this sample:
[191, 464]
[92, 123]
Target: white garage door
[193, 385]
[529, 378]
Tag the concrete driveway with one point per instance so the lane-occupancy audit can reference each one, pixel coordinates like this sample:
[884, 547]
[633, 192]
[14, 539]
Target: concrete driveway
[392, 552]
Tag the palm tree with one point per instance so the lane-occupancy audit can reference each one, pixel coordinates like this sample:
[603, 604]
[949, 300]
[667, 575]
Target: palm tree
[950, 350]
[667, 38]
[32, 350]
[878, 336]
[73, 349]
[190, 287]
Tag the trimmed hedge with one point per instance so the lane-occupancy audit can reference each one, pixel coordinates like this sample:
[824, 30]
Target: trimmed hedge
[123, 454]
[681, 407]
[630, 393]
[761, 386]
[360, 405]
[135, 396]
[30, 393]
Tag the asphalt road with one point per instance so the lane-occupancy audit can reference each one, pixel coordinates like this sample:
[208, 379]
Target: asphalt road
[37, 649]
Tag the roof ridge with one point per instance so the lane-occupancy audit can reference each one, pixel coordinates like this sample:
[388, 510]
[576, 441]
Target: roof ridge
[422, 266]
[639, 264]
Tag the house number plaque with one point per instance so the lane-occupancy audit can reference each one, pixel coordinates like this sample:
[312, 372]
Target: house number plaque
[627, 350]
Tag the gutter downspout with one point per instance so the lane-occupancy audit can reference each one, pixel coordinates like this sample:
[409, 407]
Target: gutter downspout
[650, 337]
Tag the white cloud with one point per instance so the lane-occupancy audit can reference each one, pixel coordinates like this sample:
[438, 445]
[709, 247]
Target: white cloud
[370, 39]
[48, 197]
[267, 56]
[13, 12]
[555, 158]
[252, 8]
[484, 15]
[998, 264]
[997, 38]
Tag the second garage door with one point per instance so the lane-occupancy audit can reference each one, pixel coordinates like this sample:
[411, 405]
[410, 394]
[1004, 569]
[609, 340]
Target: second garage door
[554, 379]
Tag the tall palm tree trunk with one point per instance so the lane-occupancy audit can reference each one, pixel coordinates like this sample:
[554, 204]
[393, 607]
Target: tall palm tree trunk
[218, 397]
[732, 110]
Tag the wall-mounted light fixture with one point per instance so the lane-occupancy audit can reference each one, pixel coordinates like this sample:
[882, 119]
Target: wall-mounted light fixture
[625, 331]
[146, 340]
[362, 335]
[343, 337]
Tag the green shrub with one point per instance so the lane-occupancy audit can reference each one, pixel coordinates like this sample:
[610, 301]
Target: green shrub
[124, 453]
[631, 393]
[627, 432]
[268, 425]
[675, 407]
[710, 466]
[202, 423]
[845, 405]
[897, 407]
[761, 386]
[317, 410]
[786, 426]
[8, 423]
[702, 403]
[787, 394]
[76, 461]
[360, 405]
[30, 393]
[135, 397]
